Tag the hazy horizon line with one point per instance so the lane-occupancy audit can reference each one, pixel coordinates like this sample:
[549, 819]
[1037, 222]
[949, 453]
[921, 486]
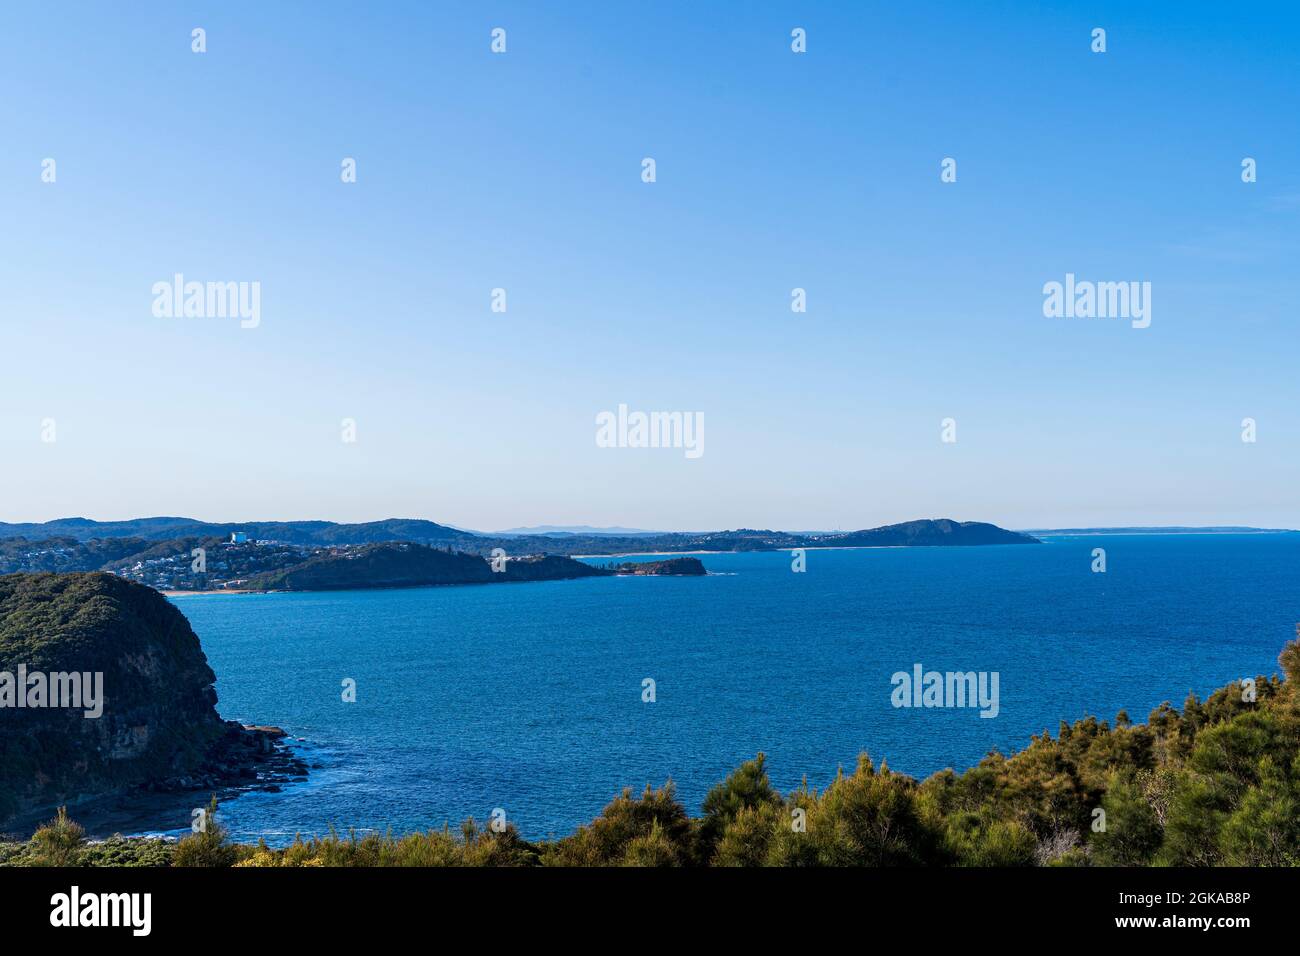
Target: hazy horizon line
[618, 530]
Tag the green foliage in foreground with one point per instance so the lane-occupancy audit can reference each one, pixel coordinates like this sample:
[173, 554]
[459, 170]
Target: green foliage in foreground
[1217, 784]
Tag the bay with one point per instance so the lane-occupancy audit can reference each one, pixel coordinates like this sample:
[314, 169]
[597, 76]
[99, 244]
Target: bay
[528, 697]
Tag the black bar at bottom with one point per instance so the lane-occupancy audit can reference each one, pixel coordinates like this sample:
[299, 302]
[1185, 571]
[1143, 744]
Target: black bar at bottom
[335, 906]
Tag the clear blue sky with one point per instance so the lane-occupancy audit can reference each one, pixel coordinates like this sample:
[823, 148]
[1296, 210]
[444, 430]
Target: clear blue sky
[775, 171]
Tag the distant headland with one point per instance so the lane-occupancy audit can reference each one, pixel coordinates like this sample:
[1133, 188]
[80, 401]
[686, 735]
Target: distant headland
[182, 554]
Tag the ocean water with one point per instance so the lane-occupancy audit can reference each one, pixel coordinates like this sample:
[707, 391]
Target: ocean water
[528, 697]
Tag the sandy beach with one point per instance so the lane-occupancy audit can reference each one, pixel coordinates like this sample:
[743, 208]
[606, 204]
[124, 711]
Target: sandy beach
[214, 591]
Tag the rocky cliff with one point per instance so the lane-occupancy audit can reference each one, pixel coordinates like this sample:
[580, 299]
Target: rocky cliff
[139, 665]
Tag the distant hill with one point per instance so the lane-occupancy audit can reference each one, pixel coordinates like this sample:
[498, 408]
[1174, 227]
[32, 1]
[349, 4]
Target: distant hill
[158, 551]
[391, 565]
[322, 555]
[66, 553]
[83, 529]
[938, 532]
[414, 565]
[927, 533]
[289, 532]
[569, 530]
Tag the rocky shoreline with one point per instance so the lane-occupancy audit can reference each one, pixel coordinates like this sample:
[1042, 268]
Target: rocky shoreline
[156, 747]
[248, 758]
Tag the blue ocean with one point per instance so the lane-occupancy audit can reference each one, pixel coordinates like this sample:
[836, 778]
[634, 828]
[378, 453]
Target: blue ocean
[529, 697]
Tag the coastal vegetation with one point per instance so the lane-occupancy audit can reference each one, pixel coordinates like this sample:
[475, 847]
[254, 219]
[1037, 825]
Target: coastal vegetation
[1217, 783]
[671, 566]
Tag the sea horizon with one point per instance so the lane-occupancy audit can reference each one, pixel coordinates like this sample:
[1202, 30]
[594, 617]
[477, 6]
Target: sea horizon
[880, 610]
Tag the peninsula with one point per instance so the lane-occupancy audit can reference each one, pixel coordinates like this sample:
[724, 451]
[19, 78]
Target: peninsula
[179, 554]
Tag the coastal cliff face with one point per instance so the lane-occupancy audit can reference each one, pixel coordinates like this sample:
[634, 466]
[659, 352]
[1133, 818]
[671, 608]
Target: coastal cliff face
[158, 718]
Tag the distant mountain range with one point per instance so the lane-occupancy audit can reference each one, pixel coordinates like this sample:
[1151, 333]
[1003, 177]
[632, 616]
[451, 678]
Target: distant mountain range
[292, 555]
[289, 532]
[559, 531]
[928, 532]
[188, 555]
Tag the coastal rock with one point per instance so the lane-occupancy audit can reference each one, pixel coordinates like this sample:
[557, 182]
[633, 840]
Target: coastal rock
[681, 566]
[157, 727]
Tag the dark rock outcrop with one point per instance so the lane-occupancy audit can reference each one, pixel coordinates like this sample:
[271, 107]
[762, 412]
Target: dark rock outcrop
[158, 728]
[686, 566]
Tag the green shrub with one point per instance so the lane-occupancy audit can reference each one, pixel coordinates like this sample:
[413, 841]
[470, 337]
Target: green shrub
[1132, 834]
[58, 843]
[207, 847]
